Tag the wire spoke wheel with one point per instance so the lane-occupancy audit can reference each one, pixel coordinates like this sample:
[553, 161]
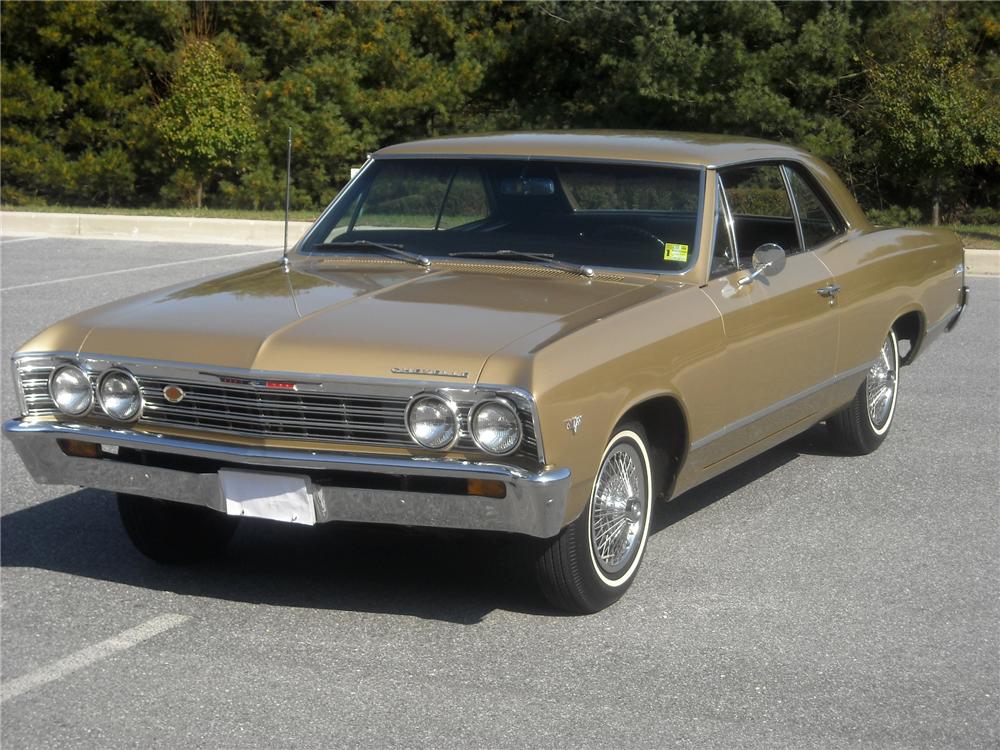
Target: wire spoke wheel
[594, 560]
[861, 426]
[881, 386]
[619, 509]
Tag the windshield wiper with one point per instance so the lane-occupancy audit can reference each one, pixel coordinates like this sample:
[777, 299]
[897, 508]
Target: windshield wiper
[386, 247]
[546, 258]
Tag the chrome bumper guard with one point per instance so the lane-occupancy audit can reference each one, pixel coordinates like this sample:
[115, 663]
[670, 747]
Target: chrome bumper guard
[534, 505]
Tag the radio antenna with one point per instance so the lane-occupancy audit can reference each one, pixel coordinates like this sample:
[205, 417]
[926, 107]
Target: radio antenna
[288, 195]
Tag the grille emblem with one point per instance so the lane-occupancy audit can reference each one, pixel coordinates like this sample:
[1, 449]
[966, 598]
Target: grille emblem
[174, 394]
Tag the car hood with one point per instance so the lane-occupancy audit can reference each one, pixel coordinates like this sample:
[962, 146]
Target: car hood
[369, 320]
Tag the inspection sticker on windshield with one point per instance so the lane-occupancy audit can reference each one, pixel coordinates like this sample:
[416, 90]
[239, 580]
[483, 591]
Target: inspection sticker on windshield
[676, 253]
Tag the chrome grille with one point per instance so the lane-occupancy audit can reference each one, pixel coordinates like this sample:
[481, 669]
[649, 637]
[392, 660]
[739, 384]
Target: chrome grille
[243, 408]
[249, 410]
[35, 386]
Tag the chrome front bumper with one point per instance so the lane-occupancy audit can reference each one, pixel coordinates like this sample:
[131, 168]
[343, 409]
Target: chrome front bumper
[534, 504]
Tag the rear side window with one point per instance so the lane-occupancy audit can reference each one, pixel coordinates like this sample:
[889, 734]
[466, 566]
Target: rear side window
[818, 225]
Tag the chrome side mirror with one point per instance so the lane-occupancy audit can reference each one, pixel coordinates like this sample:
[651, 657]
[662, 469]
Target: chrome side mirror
[768, 259]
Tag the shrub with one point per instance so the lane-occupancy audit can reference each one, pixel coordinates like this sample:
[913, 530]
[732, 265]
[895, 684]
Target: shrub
[982, 215]
[895, 216]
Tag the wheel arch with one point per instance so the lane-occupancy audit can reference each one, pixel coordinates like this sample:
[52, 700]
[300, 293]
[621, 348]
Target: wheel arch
[664, 419]
[910, 325]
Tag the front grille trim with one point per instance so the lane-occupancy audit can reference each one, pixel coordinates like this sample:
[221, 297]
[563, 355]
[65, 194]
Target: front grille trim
[235, 403]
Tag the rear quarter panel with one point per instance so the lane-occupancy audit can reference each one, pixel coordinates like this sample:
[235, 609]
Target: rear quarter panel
[886, 273]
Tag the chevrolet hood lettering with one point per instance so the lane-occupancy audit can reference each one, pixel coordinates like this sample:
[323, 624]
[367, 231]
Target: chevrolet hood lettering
[432, 373]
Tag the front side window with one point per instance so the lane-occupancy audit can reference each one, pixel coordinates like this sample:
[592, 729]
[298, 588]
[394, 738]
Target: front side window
[596, 214]
[761, 209]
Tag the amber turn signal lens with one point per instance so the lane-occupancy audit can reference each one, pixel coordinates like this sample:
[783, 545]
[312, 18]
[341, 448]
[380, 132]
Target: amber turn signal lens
[80, 448]
[486, 488]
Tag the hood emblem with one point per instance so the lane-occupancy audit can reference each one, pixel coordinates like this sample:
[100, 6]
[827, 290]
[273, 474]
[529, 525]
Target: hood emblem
[432, 373]
[174, 394]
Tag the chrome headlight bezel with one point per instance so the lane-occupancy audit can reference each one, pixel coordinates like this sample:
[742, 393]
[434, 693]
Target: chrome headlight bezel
[516, 419]
[450, 407]
[91, 400]
[128, 377]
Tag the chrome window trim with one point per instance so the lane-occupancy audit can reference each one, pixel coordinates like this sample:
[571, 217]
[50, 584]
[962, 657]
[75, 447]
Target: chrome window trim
[310, 382]
[536, 157]
[336, 199]
[727, 217]
[796, 217]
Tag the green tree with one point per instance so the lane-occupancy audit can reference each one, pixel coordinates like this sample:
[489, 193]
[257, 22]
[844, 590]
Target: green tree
[934, 116]
[349, 78]
[77, 100]
[205, 121]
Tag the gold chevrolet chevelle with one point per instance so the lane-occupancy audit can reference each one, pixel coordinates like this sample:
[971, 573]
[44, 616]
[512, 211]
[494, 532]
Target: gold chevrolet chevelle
[539, 334]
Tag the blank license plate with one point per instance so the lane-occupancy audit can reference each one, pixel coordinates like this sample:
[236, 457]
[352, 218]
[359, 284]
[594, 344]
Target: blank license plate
[272, 496]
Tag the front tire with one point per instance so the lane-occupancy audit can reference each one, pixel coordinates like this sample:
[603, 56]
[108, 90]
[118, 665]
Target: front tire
[170, 532]
[861, 426]
[594, 560]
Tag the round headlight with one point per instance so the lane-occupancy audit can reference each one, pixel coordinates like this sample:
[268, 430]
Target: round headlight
[119, 395]
[496, 427]
[70, 389]
[432, 422]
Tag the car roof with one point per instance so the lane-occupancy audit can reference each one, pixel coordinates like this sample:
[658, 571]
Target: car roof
[691, 149]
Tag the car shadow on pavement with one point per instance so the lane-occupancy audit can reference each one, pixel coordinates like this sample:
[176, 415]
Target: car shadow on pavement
[812, 442]
[436, 575]
[450, 576]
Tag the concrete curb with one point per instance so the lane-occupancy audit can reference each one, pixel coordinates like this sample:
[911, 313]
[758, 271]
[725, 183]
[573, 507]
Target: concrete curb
[151, 228]
[982, 262]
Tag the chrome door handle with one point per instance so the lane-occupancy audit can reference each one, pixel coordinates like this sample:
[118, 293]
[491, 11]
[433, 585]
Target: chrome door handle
[829, 290]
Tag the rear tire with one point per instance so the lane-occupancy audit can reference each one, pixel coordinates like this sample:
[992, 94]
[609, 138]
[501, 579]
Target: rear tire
[594, 560]
[171, 532]
[861, 426]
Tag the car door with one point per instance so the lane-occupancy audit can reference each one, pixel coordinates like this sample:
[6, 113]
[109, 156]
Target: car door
[781, 331]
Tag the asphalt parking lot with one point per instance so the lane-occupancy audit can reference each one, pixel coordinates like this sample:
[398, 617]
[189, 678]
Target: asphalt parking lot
[802, 600]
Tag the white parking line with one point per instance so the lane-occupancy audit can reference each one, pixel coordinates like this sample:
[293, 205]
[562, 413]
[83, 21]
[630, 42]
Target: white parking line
[142, 268]
[87, 656]
[21, 239]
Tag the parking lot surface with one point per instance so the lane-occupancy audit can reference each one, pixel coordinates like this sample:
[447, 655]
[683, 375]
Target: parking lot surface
[802, 600]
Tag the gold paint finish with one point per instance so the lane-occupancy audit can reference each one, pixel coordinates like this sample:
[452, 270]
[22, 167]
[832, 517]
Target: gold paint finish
[734, 359]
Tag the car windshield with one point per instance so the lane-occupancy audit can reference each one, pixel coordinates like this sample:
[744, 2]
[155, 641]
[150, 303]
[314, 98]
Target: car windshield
[594, 214]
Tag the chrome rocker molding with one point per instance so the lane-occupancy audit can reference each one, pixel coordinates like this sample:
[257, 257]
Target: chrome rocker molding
[534, 505]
